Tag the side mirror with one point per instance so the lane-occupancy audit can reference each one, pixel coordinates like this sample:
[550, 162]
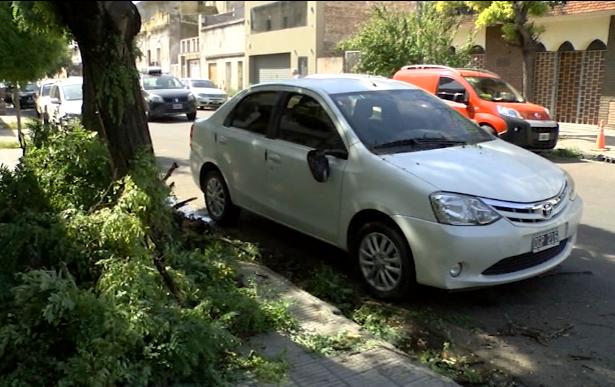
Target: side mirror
[319, 165]
[55, 101]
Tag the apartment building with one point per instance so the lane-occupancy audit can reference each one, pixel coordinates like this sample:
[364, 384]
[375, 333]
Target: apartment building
[303, 35]
[575, 65]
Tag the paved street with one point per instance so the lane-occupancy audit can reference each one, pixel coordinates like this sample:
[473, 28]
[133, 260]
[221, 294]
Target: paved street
[573, 306]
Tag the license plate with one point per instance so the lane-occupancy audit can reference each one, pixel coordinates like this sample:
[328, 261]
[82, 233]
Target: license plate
[177, 106]
[544, 136]
[545, 241]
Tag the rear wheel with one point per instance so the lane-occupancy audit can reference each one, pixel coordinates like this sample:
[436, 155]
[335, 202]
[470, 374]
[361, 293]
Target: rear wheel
[218, 200]
[385, 261]
[191, 116]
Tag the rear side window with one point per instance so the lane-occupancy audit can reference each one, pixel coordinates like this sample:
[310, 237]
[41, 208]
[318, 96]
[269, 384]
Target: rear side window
[450, 89]
[253, 113]
[45, 91]
[305, 122]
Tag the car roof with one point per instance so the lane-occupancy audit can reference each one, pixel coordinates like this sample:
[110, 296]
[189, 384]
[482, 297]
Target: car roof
[337, 84]
[70, 81]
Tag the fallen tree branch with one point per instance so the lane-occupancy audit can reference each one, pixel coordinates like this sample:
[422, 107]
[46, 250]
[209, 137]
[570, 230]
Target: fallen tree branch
[172, 169]
[182, 203]
[105, 192]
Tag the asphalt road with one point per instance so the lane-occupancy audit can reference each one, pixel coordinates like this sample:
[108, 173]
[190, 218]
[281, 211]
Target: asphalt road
[555, 330]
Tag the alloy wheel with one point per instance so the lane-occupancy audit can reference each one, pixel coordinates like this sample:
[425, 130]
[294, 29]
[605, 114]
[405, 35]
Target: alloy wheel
[380, 261]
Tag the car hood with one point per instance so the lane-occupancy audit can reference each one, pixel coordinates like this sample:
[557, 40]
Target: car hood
[207, 90]
[72, 107]
[170, 92]
[494, 169]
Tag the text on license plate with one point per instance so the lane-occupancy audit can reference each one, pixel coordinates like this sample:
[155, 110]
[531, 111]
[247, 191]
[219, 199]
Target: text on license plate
[544, 136]
[545, 241]
[177, 106]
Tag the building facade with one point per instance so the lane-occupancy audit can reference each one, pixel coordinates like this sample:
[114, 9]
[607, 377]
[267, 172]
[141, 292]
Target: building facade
[302, 35]
[574, 75]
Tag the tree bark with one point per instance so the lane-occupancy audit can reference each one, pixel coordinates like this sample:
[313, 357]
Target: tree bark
[529, 61]
[528, 45]
[17, 107]
[112, 101]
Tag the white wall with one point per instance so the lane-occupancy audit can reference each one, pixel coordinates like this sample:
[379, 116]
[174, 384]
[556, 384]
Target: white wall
[579, 30]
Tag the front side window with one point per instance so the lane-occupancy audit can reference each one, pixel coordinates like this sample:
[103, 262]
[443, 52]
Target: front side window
[162, 82]
[391, 121]
[253, 113]
[451, 90]
[305, 122]
[55, 92]
[279, 15]
[494, 89]
[72, 92]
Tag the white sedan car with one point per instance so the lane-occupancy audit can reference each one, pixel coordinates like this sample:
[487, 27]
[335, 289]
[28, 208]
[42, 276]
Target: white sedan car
[413, 190]
[206, 93]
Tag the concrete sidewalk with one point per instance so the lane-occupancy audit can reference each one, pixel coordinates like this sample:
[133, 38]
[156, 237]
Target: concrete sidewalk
[582, 138]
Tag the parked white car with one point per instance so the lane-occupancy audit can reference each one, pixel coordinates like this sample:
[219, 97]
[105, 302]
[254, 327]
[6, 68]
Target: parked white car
[414, 191]
[207, 94]
[43, 99]
[66, 98]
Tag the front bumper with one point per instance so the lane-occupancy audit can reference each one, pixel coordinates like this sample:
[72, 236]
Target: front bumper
[210, 101]
[158, 109]
[438, 247]
[531, 134]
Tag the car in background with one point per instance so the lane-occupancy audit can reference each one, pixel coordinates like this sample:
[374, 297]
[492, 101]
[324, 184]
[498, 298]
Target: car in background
[165, 95]
[206, 93]
[415, 192]
[27, 95]
[43, 99]
[490, 101]
[65, 100]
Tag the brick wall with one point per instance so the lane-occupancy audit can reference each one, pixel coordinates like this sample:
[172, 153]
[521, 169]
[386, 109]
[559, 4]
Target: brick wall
[502, 58]
[477, 61]
[545, 79]
[568, 85]
[607, 99]
[342, 19]
[591, 87]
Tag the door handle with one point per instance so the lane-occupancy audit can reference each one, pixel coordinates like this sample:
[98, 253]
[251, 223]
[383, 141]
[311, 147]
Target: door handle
[275, 158]
[222, 139]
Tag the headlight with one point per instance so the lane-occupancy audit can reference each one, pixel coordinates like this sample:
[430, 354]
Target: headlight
[461, 210]
[572, 193]
[548, 112]
[509, 112]
[191, 97]
[154, 98]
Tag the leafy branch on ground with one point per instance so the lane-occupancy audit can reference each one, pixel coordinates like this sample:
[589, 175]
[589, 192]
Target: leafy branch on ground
[83, 297]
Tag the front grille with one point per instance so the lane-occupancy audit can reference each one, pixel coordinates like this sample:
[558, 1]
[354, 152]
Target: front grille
[175, 99]
[536, 212]
[525, 261]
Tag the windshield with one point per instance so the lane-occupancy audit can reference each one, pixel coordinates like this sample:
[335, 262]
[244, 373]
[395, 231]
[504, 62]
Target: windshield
[46, 89]
[202, 83]
[390, 121]
[494, 89]
[29, 87]
[162, 82]
[72, 92]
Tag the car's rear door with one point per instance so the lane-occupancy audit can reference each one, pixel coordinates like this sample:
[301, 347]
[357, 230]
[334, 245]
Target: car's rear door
[296, 198]
[241, 148]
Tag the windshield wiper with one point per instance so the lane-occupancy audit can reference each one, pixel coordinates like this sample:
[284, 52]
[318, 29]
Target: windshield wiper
[418, 142]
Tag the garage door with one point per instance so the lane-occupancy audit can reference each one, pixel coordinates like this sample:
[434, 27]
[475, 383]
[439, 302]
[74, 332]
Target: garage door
[266, 68]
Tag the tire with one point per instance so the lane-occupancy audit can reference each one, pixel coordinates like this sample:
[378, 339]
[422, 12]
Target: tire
[218, 200]
[384, 261]
[191, 116]
[45, 118]
[490, 129]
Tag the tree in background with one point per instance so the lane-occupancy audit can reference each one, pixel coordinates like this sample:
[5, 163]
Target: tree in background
[517, 29]
[112, 102]
[27, 55]
[390, 40]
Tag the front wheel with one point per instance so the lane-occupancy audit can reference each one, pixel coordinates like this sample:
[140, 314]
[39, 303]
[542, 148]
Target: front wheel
[191, 116]
[490, 129]
[218, 200]
[385, 261]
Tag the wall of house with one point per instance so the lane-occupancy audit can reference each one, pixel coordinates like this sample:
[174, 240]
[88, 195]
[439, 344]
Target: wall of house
[579, 30]
[221, 45]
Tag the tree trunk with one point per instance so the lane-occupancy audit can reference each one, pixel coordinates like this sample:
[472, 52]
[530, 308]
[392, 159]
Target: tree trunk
[112, 101]
[17, 107]
[529, 62]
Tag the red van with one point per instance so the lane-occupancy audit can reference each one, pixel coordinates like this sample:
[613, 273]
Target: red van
[489, 101]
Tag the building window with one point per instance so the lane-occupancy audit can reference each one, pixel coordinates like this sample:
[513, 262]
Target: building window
[158, 56]
[240, 75]
[228, 74]
[149, 57]
[279, 15]
[302, 65]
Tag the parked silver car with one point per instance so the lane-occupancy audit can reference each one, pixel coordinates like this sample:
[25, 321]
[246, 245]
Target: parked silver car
[416, 192]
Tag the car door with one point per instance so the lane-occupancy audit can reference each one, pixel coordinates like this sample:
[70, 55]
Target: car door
[241, 143]
[296, 197]
[54, 106]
